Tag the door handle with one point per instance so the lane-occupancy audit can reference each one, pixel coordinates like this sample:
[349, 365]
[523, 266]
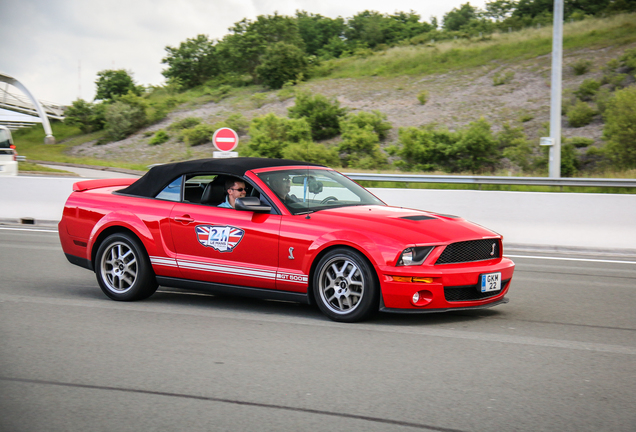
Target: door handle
[186, 219]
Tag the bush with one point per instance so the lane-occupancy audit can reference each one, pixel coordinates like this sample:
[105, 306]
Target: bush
[360, 148]
[581, 114]
[80, 114]
[287, 92]
[259, 99]
[502, 77]
[160, 137]
[200, 134]
[185, 123]
[581, 66]
[569, 160]
[123, 119]
[322, 114]
[519, 153]
[476, 150]
[219, 93]
[422, 97]
[628, 59]
[270, 135]
[238, 123]
[282, 62]
[473, 148]
[602, 99]
[580, 142]
[375, 119]
[587, 90]
[424, 148]
[309, 151]
[619, 131]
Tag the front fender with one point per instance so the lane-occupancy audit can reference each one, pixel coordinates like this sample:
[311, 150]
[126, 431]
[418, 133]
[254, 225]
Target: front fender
[380, 251]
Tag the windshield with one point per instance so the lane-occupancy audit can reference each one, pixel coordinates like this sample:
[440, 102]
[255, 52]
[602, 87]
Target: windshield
[307, 190]
[5, 138]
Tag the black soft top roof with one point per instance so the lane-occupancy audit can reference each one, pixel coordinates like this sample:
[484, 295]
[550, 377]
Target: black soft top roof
[160, 176]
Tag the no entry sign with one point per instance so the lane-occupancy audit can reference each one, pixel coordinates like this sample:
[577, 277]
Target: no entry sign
[225, 139]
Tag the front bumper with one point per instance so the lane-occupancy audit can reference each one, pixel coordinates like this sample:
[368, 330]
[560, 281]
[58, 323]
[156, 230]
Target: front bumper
[451, 286]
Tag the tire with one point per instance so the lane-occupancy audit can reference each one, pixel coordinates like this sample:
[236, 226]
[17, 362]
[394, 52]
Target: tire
[123, 269]
[345, 286]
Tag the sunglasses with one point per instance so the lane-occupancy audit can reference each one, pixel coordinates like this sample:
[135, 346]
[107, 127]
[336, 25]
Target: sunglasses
[239, 189]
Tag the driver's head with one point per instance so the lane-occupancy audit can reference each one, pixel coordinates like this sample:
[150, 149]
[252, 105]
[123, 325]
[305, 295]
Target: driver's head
[280, 183]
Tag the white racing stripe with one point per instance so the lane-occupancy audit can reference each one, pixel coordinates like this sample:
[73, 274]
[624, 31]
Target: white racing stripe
[234, 270]
[571, 259]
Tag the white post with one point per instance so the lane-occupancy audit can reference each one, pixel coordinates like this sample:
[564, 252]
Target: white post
[555, 100]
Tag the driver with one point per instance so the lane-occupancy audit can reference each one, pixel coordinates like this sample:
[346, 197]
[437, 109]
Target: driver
[235, 189]
[281, 185]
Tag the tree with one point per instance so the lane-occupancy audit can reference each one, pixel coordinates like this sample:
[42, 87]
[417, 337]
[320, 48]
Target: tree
[366, 28]
[322, 114]
[500, 9]
[459, 17]
[281, 63]
[619, 130]
[111, 83]
[193, 63]
[242, 49]
[316, 30]
[80, 114]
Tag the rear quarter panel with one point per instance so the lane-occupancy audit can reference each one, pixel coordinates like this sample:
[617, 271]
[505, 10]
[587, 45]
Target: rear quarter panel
[90, 215]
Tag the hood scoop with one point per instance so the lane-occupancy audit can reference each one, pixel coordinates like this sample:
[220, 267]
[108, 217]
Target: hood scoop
[417, 217]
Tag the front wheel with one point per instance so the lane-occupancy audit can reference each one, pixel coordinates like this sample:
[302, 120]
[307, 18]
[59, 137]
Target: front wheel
[123, 269]
[345, 286]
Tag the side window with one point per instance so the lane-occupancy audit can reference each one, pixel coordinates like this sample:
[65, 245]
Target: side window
[172, 192]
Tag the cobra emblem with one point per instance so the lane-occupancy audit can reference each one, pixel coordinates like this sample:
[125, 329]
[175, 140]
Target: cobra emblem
[291, 253]
[492, 252]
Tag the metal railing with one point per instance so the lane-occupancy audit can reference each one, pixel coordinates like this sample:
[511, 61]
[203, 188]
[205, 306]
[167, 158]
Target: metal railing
[494, 180]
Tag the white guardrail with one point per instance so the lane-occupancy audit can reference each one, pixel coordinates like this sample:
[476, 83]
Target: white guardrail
[494, 180]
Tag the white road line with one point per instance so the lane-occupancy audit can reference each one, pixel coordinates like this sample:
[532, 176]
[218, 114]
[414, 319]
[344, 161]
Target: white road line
[571, 259]
[28, 229]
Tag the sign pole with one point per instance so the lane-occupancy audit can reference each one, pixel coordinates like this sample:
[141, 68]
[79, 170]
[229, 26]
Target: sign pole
[555, 99]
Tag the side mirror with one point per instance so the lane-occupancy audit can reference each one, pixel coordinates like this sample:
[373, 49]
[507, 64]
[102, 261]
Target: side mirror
[251, 204]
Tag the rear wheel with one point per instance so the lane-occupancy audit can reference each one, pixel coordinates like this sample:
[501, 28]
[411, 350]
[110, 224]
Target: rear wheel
[345, 286]
[123, 269]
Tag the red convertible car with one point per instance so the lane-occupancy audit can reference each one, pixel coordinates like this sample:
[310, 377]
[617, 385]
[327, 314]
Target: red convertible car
[292, 231]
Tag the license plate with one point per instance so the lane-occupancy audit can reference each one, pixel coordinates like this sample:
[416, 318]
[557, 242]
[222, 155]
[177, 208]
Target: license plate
[490, 282]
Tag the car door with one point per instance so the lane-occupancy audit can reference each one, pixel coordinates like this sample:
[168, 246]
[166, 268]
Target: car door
[225, 245]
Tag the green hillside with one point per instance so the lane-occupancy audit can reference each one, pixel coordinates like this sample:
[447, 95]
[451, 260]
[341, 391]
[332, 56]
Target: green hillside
[473, 102]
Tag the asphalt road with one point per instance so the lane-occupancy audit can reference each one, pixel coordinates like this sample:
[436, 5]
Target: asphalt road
[561, 356]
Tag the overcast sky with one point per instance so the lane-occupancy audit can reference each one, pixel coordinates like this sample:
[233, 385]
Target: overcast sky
[56, 47]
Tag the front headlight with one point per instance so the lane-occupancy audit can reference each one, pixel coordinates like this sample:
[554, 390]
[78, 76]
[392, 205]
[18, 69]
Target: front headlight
[414, 255]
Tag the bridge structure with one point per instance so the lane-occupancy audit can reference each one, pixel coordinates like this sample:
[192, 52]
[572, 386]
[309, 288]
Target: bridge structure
[33, 111]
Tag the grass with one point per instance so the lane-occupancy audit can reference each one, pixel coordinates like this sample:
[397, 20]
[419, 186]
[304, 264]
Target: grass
[30, 167]
[501, 47]
[30, 143]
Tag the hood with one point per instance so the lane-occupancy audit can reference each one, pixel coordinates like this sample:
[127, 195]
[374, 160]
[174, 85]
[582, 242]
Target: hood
[407, 226]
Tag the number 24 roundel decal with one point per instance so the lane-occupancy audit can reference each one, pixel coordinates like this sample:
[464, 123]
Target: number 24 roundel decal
[223, 238]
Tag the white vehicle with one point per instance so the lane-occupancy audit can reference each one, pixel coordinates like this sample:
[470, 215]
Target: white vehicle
[8, 155]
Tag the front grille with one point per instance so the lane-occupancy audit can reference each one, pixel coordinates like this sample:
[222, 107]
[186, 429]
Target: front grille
[467, 251]
[471, 292]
